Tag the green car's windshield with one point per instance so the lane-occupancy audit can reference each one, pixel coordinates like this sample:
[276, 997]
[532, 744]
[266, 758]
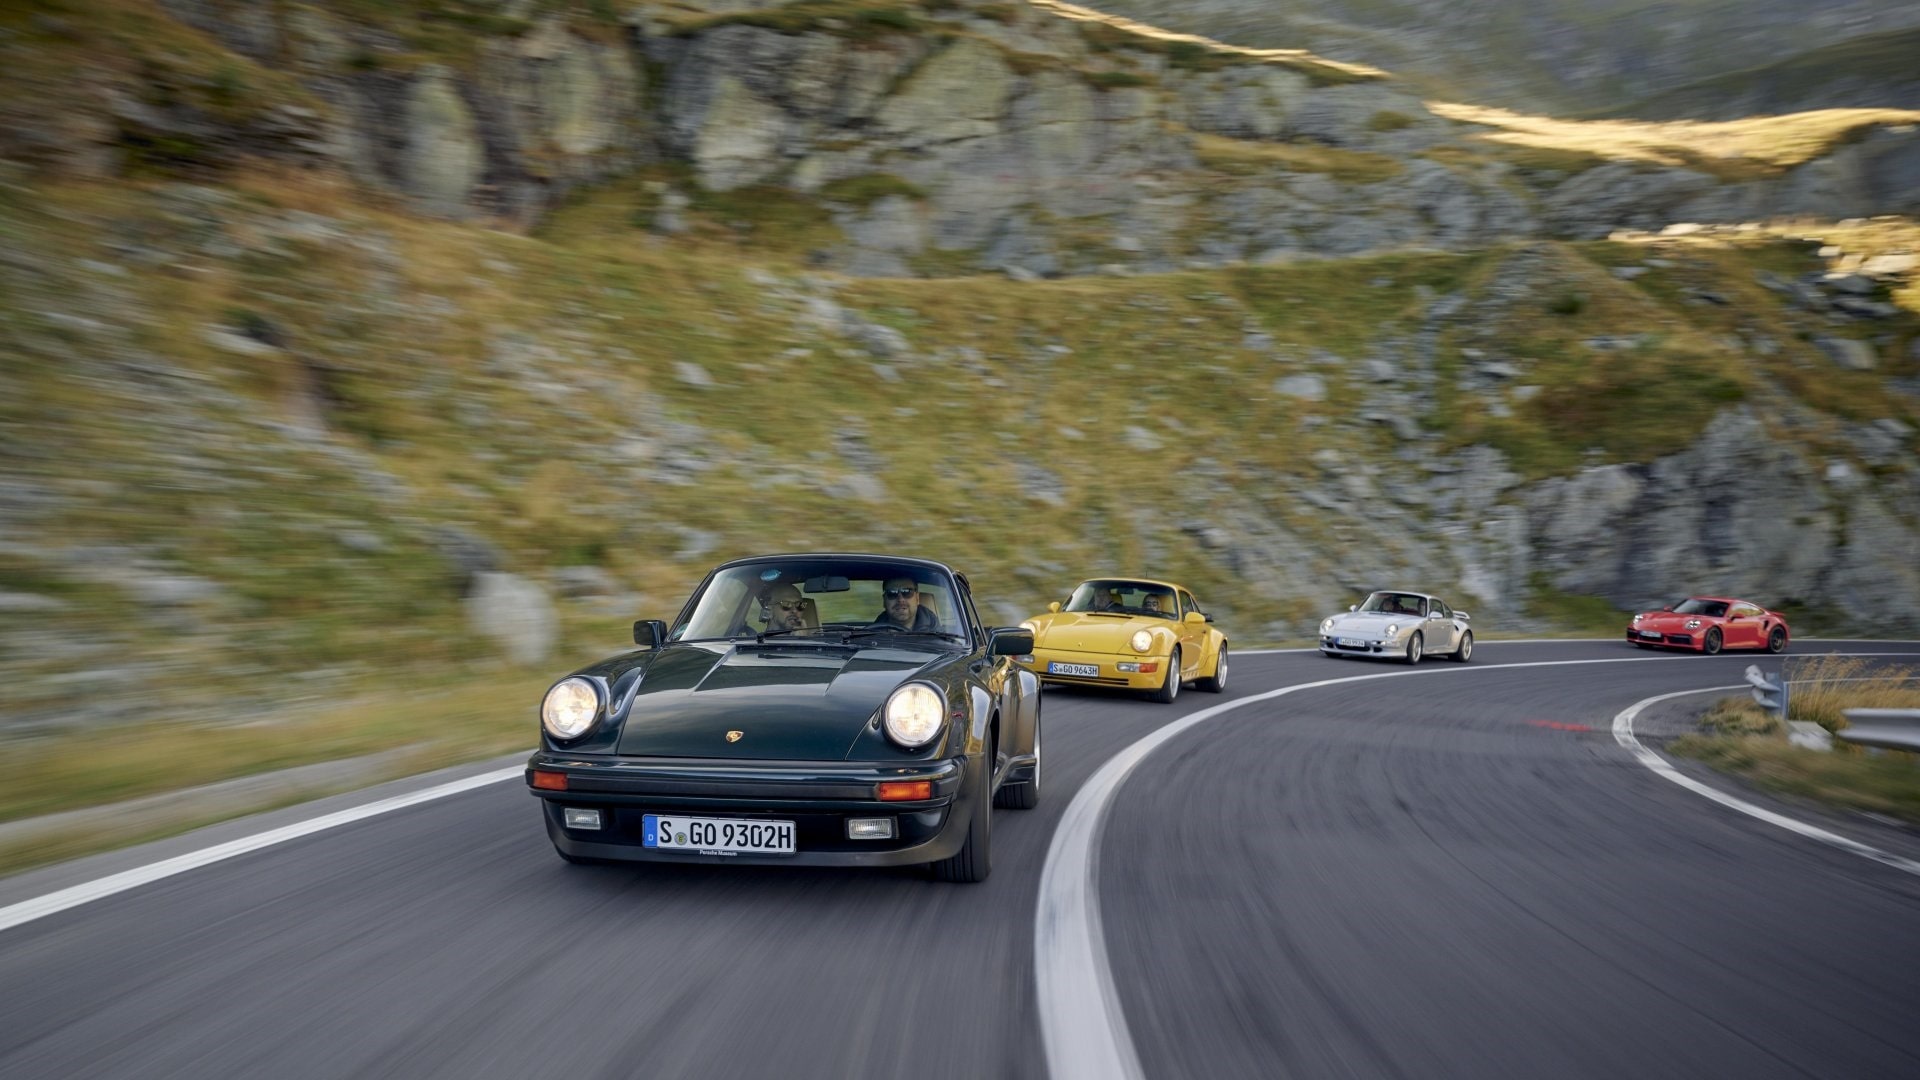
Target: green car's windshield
[815, 596]
[1124, 597]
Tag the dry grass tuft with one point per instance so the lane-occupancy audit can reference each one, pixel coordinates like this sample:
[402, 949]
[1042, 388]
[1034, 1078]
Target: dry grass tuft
[1823, 686]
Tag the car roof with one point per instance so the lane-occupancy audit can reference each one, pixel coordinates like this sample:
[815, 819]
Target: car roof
[1137, 578]
[1408, 592]
[903, 559]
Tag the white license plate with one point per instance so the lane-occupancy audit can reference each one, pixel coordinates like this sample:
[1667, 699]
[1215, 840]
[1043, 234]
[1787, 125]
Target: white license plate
[1654, 634]
[718, 836]
[1085, 671]
[1353, 643]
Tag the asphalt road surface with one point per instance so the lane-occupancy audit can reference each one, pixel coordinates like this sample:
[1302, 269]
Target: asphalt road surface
[1457, 873]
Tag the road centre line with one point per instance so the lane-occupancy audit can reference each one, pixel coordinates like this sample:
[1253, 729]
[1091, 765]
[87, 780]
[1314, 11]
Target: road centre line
[1623, 734]
[1083, 1027]
[52, 903]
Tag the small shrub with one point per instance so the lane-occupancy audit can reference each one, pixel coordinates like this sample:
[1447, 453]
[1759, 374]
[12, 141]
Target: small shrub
[1388, 120]
[1004, 14]
[1568, 303]
[869, 189]
[1117, 80]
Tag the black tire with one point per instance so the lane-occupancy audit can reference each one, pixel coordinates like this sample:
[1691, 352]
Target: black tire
[1465, 652]
[1171, 688]
[1777, 640]
[1416, 648]
[578, 860]
[1216, 682]
[1026, 794]
[1710, 644]
[974, 861]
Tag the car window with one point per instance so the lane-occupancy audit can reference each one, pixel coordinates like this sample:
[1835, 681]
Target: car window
[973, 613]
[834, 591]
[1124, 597]
[1392, 603]
[1187, 603]
[1698, 606]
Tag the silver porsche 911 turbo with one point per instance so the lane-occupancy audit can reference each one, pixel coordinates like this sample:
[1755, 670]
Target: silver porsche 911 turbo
[1400, 626]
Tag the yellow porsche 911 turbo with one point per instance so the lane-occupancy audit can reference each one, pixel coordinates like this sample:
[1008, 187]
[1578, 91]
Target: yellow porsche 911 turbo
[1125, 632]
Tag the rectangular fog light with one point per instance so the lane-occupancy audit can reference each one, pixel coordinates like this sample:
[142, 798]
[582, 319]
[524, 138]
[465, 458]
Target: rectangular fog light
[582, 819]
[1128, 667]
[870, 828]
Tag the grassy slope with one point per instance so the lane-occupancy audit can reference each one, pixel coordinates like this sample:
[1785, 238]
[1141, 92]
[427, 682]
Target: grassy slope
[1874, 70]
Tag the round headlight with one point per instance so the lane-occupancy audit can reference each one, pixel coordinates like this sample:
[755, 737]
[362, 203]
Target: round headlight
[1693, 624]
[1142, 641]
[914, 714]
[569, 708]
[1029, 627]
[1392, 629]
[1326, 627]
[1637, 618]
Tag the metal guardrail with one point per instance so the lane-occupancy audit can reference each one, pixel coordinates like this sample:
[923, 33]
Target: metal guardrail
[1770, 693]
[1890, 729]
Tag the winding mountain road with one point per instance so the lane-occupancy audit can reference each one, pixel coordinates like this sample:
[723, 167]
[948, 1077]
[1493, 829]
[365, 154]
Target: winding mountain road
[1458, 872]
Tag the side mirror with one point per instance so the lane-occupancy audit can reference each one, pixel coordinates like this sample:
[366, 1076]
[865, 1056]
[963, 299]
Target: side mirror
[1207, 617]
[1666, 607]
[1054, 607]
[1009, 641]
[650, 632]
[1353, 607]
[1195, 617]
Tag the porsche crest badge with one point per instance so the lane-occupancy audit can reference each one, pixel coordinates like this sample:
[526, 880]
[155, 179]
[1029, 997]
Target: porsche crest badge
[735, 736]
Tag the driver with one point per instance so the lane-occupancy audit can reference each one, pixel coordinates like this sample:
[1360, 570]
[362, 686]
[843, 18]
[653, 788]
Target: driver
[784, 608]
[901, 597]
[1152, 603]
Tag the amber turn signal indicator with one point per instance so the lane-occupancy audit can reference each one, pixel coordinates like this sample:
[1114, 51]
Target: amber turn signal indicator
[904, 790]
[550, 781]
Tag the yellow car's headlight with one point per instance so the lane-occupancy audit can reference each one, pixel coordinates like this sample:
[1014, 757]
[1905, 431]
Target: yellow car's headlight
[1029, 627]
[1142, 641]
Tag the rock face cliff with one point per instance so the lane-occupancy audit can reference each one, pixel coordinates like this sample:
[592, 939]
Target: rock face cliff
[1034, 139]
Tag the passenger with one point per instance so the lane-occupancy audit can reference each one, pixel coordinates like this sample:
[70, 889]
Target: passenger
[902, 608]
[784, 609]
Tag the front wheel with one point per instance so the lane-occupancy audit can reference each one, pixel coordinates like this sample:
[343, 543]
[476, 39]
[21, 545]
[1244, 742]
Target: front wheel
[1171, 688]
[1414, 647]
[1777, 641]
[1711, 643]
[974, 861]
[1465, 652]
[1024, 795]
[1216, 682]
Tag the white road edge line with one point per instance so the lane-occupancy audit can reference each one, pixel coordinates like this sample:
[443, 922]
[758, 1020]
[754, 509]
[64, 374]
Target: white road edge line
[1082, 1024]
[1623, 734]
[86, 892]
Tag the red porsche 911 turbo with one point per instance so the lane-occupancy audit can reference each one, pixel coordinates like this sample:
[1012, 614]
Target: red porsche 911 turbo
[1707, 624]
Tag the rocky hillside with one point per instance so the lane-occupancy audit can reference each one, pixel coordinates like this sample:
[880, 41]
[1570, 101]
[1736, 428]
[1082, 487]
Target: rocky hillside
[469, 338]
[1599, 56]
[942, 136]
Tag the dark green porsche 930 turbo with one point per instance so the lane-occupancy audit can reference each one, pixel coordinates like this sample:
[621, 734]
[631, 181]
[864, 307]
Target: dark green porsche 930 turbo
[828, 710]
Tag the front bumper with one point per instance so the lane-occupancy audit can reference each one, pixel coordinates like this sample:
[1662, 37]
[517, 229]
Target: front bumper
[1691, 642]
[818, 797]
[1108, 663]
[1369, 646]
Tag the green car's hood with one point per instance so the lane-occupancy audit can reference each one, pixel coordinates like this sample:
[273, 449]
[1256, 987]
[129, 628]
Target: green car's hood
[788, 701]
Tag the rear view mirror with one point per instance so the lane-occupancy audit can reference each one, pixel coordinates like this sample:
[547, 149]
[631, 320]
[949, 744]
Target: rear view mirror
[1055, 606]
[650, 632]
[826, 583]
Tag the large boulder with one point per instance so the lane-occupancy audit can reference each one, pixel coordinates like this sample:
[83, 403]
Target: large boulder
[515, 614]
[442, 160]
